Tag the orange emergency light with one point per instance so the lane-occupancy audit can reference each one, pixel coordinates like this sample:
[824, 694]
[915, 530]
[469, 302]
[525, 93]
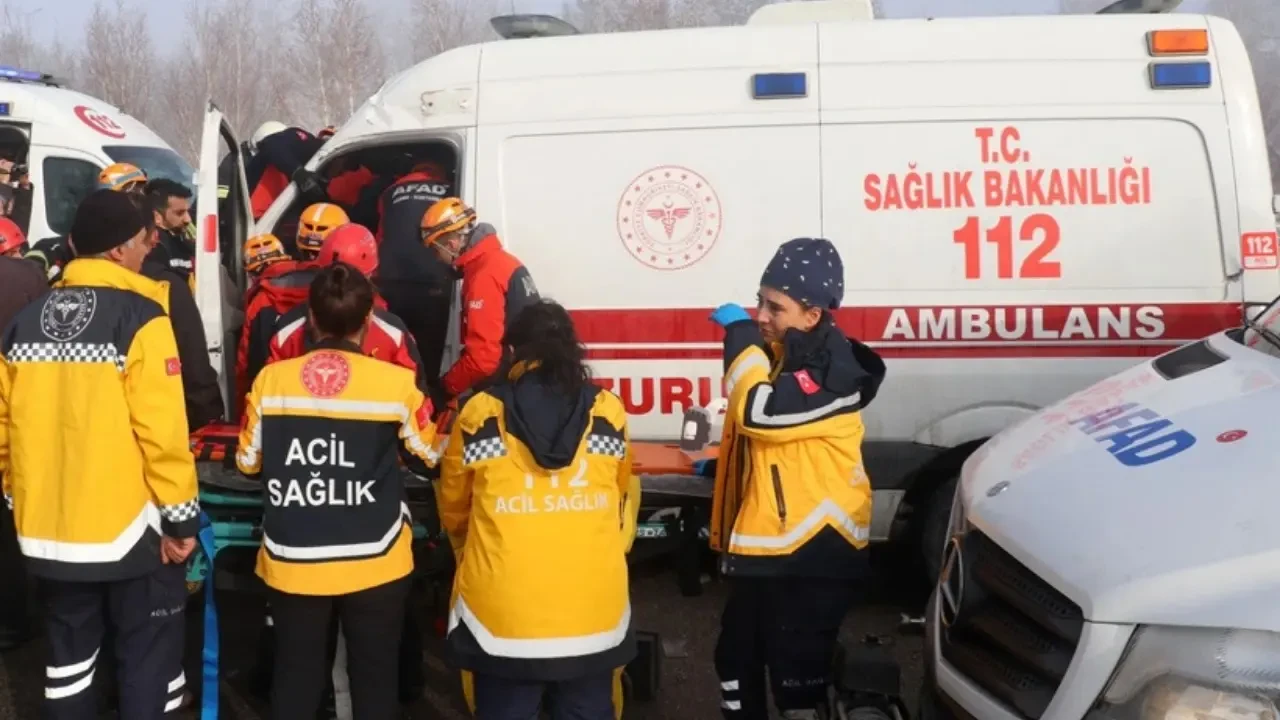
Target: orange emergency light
[1178, 42]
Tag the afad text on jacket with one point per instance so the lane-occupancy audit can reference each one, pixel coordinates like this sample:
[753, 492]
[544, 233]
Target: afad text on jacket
[322, 433]
[534, 496]
[94, 446]
[792, 496]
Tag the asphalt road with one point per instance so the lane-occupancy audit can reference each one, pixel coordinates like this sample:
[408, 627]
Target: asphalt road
[688, 628]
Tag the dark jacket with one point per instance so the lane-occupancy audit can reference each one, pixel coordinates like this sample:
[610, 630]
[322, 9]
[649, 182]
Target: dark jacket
[199, 380]
[175, 253]
[272, 168]
[20, 282]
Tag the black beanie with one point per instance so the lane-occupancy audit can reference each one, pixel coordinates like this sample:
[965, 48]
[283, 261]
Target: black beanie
[106, 220]
[809, 271]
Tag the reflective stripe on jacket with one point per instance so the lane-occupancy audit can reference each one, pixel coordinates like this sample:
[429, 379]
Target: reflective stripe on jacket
[534, 494]
[322, 431]
[94, 445]
[792, 496]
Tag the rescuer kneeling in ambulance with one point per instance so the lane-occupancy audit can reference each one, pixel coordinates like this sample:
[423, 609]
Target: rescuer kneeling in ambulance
[336, 532]
[539, 466]
[792, 504]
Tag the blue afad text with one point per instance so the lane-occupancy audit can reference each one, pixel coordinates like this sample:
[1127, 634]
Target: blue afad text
[1135, 435]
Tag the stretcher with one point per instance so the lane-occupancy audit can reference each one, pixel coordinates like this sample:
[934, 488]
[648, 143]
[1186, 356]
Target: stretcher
[673, 512]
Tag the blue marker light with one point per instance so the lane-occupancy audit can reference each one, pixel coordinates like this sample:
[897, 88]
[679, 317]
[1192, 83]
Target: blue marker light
[779, 85]
[20, 74]
[5, 109]
[1181, 75]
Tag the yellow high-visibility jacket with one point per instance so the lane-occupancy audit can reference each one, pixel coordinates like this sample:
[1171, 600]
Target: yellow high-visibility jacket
[94, 447]
[534, 493]
[791, 495]
[322, 431]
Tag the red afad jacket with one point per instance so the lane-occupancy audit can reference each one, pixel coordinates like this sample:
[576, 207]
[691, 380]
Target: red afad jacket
[281, 287]
[387, 339]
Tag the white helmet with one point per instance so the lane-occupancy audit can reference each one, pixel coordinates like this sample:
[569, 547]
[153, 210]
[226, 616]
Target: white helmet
[267, 129]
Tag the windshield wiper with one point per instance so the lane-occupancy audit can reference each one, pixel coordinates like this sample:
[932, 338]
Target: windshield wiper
[1266, 334]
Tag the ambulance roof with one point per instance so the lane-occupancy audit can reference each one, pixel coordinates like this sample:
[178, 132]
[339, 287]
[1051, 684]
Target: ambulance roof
[70, 118]
[703, 70]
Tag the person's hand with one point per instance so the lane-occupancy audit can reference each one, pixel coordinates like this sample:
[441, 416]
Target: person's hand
[728, 314]
[175, 550]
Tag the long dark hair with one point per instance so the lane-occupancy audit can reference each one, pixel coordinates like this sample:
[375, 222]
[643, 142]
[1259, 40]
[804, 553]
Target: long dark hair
[341, 298]
[543, 336]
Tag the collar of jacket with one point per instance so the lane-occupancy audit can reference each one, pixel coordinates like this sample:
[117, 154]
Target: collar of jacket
[484, 240]
[96, 272]
[520, 368]
[828, 351]
[342, 344]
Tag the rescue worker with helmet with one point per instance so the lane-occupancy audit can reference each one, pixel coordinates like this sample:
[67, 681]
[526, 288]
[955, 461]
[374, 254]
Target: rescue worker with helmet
[279, 153]
[539, 466]
[314, 225]
[791, 511]
[53, 254]
[106, 510]
[323, 431]
[495, 288]
[20, 283]
[416, 282]
[123, 177]
[261, 253]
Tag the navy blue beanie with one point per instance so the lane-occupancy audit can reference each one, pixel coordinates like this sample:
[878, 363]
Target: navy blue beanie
[809, 271]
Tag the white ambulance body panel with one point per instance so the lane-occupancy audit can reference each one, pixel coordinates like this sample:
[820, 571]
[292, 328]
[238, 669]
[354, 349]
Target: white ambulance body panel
[72, 137]
[1020, 209]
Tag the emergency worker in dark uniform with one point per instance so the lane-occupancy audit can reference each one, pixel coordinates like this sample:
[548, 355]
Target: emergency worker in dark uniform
[792, 505]
[495, 288]
[97, 466]
[277, 157]
[323, 431]
[539, 466]
[175, 248]
[416, 282]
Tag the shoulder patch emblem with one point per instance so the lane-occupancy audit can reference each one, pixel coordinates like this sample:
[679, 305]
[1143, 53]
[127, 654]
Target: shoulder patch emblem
[67, 312]
[326, 374]
[807, 385]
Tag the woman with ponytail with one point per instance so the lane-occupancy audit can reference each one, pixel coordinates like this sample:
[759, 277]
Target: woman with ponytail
[537, 497]
[322, 431]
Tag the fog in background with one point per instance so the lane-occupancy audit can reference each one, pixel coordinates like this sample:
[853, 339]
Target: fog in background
[311, 63]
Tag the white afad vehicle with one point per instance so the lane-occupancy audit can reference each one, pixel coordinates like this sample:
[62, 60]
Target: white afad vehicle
[1117, 556]
[1024, 205]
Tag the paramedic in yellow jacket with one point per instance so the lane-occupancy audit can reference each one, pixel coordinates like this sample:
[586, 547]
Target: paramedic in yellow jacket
[792, 504]
[97, 466]
[323, 431]
[535, 494]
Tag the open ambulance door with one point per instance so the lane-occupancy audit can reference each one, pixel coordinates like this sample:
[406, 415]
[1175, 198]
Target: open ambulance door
[221, 229]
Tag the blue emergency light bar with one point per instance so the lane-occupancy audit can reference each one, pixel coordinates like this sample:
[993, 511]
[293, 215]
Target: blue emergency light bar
[766, 86]
[14, 73]
[1181, 75]
[5, 109]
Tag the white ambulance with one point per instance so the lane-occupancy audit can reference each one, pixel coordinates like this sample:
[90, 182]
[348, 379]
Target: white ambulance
[1024, 205]
[65, 138]
[1117, 555]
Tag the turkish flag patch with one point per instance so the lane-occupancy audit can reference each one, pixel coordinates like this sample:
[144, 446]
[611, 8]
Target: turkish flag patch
[425, 411]
[173, 366]
[806, 383]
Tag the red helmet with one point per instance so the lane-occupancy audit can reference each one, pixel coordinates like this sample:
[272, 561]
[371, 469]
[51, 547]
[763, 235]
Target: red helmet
[11, 237]
[352, 244]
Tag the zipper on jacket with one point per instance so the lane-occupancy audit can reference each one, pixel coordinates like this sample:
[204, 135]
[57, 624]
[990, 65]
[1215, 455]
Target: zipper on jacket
[777, 494]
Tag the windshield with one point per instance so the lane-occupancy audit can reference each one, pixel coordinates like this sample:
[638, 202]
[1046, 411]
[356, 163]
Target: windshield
[1268, 319]
[154, 161]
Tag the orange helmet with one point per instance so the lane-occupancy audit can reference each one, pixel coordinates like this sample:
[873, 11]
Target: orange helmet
[262, 250]
[352, 244]
[121, 176]
[11, 237]
[315, 224]
[445, 216]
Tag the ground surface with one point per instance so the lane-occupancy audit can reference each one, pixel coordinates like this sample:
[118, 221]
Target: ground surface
[688, 627]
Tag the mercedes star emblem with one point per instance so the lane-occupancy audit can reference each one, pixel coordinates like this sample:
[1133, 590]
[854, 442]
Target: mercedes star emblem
[951, 583]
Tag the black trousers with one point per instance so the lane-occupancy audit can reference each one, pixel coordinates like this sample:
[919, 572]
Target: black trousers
[14, 624]
[585, 698]
[371, 623]
[145, 615]
[787, 625]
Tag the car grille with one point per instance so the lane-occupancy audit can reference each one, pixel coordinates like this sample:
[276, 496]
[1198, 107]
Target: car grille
[1011, 634]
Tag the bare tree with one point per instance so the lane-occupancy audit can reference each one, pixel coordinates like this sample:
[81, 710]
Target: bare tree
[18, 46]
[334, 77]
[119, 61]
[1259, 24]
[622, 15]
[440, 25]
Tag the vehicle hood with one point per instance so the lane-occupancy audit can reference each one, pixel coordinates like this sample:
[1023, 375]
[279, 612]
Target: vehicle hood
[1176, 520]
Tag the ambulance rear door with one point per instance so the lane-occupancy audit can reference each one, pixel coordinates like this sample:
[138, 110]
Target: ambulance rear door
[221, 230]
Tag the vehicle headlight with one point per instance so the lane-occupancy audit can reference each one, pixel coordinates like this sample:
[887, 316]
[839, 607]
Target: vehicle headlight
[1172, 673]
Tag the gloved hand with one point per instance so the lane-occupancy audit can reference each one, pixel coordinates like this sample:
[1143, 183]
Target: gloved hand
[705, 467]
[728, 314]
